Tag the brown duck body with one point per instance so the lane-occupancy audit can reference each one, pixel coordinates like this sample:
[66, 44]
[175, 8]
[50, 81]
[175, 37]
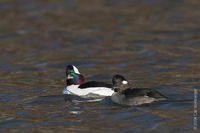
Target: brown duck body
[125, 95]
[137, 96]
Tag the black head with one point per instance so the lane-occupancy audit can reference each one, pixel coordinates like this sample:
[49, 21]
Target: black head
[119, 83]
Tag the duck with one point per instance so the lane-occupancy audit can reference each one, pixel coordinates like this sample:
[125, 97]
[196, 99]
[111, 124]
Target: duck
[76, 85]
[125, 95]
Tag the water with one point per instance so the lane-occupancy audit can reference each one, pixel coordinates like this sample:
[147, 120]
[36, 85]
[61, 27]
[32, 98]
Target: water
[153, 43]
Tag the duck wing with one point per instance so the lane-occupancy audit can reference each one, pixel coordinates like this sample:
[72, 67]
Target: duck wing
[136, 92]
[95, 84]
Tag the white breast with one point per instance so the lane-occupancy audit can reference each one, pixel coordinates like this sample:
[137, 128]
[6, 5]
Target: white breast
[74, 90]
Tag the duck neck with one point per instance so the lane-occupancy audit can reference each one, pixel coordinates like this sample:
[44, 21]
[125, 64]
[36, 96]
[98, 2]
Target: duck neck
[69, 82]
[77, 79]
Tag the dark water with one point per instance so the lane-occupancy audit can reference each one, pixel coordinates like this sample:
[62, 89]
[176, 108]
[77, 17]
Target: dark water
[153, 43]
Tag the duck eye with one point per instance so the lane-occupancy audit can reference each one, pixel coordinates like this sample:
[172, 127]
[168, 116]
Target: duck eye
[124, 82]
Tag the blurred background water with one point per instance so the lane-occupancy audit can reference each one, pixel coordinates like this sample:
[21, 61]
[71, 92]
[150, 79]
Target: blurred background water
[153, 43]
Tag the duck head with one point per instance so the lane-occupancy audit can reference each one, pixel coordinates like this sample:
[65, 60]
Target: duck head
[73, 76]
[119, 83]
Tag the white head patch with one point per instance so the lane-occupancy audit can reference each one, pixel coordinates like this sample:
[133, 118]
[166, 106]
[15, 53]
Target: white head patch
[124, 82]
[76, 70]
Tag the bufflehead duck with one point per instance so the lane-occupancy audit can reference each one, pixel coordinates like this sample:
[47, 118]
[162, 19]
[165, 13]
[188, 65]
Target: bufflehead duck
[133, 96]
[76, 85]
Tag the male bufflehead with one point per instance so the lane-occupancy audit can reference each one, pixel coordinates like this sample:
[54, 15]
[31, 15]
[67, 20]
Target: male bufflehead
[133, 96]
[76, 85]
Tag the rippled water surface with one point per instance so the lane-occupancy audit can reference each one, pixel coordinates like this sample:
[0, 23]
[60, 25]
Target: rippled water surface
[153, 43]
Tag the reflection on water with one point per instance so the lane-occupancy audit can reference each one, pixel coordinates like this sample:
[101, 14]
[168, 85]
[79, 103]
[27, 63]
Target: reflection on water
[152, 43]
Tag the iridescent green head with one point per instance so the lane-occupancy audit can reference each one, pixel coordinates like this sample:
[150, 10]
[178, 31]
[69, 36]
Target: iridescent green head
[73, 76]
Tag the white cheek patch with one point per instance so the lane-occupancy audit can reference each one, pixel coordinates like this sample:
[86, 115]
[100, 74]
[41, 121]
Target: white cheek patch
[76, 70]
[124, 82]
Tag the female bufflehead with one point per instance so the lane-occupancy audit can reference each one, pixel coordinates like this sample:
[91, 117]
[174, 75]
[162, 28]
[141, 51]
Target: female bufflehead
[133, 96]
[76, 85]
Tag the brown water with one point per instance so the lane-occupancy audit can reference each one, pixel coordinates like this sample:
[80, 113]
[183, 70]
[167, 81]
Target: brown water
[153, 43]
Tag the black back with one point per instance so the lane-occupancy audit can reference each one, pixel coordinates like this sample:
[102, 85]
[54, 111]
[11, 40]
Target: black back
[94, 84]
[135, 92]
